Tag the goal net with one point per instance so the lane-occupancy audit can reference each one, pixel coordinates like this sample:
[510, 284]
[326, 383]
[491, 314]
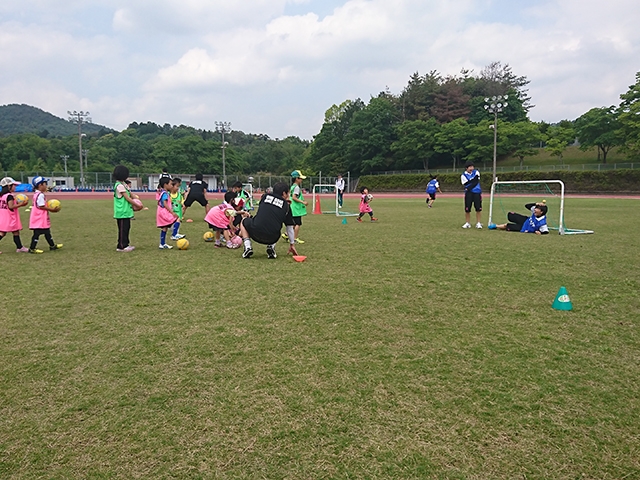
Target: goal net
[512, 197]
[325, 200]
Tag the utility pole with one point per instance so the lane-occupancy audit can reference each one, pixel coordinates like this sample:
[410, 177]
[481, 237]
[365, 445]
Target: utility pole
[79, 118]
[65, 158]
[223, 127]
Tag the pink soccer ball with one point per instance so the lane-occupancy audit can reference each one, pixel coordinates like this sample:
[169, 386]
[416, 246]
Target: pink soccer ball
[137, 205]
[235, 242]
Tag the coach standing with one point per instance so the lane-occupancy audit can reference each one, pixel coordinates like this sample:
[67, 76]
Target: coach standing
[340, 189]
[470, 179]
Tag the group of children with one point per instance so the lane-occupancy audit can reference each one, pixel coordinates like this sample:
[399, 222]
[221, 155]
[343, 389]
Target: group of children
[39, 221]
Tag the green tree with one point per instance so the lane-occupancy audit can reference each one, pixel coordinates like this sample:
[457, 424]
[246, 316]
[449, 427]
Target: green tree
[559, 138]
[415, 144]
[629, 118]
[599, 127]
[452, 139]
[368, 141]
[328, 152]
[523, 139]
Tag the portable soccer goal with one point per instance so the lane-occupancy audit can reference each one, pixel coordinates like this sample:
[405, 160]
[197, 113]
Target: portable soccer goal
[512, 196]
[325, 200]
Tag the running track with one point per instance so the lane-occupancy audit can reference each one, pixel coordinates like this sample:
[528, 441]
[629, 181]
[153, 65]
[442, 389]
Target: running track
[219, 196]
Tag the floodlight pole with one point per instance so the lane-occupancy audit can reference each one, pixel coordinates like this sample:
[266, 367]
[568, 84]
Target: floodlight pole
[79, 118]
[494, 105]
[223, 127]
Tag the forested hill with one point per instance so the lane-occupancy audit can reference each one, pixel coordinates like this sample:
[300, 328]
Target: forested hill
[16, 119]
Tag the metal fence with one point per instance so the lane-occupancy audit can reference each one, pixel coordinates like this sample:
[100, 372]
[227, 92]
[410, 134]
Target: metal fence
[103, 181]
[525, 168]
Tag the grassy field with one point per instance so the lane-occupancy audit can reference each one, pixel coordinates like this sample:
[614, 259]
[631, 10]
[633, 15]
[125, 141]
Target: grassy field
[408, 348]
[571, 156]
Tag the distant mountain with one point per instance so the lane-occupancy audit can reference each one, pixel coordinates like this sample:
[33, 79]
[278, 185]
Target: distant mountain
[16, 119]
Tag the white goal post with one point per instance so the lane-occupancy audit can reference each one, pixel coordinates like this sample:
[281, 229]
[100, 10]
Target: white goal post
[329, 189]
[514, 185]
[326, 189]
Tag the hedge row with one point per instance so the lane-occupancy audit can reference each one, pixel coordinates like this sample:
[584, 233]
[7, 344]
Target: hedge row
[609, 181]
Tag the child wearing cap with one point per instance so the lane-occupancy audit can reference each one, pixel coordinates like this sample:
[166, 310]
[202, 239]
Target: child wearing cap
[39, 220]
[9, 215]
[298, 203]
[536, 223]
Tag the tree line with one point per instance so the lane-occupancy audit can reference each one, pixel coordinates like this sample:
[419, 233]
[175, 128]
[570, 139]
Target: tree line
[435, 121]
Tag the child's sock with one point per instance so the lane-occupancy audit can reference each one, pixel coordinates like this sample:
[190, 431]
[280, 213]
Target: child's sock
[17, 241]
[34, 243]
[163, 237]
[176, 228]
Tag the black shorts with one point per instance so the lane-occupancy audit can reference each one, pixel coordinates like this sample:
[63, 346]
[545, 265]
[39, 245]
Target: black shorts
[518, 221]
[431, 196]
[257, 235]
[195, 198]
[297, 220]
[474, 199]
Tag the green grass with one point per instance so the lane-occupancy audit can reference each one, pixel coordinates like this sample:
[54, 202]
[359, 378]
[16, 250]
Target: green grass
[571, 156]
[410, 348]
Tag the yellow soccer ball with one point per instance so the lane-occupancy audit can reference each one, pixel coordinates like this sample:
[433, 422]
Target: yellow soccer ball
[53, 203]
[21, 198]
[208, 236]
[182, 244]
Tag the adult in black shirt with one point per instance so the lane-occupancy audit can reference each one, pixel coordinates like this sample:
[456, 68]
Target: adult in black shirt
[274, 211]
[197, 192]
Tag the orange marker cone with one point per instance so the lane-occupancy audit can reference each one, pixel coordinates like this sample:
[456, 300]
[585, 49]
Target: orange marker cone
[316, 209]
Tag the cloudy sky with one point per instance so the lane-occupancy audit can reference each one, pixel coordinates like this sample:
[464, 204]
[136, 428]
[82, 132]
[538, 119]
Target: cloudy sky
[275, 66]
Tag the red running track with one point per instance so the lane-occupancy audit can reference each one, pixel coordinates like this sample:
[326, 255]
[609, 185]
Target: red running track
[219, 196]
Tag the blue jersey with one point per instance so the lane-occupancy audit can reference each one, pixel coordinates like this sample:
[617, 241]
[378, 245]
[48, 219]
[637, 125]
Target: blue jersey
[432, 186]
[534, 224]
[466, 177]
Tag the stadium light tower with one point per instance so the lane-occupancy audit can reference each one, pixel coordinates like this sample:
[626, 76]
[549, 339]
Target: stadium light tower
[223, 127]
[495, 105]
[79, 118]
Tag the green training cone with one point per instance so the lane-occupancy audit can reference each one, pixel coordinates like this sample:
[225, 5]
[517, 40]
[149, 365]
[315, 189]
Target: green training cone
[344, 221]
[562, 301]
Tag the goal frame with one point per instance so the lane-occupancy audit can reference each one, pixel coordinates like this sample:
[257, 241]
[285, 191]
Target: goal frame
[562, 230]
[337, 212]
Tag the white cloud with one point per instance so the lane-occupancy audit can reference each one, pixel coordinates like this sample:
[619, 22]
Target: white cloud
[198, 60]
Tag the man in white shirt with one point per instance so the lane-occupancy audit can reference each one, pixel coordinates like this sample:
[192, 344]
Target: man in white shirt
[340, 189]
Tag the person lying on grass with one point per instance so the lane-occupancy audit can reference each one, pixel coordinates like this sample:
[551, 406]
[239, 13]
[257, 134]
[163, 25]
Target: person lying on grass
[536, 223]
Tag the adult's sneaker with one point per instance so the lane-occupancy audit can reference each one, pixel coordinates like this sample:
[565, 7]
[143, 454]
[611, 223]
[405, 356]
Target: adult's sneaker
[165, 246]
[247, 252]
[466, 225]
[271, 252]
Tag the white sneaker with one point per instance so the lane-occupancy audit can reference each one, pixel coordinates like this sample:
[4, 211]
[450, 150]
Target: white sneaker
[478, 225]
[466, 225]
[165, 247]
[177, 237]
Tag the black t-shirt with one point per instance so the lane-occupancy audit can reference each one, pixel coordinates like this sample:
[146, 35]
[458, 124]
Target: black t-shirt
[198, 187]
[272, 213]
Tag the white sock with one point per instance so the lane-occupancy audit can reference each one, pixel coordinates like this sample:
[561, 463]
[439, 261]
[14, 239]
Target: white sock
[247, 242]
